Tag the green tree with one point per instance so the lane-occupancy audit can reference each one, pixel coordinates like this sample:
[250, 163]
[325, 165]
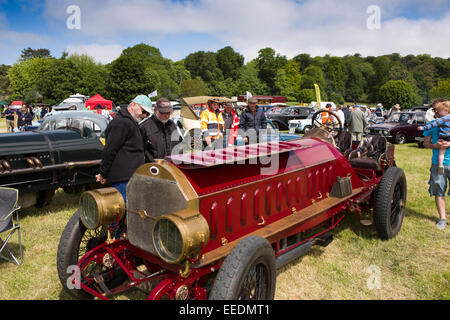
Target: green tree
[248, 80]
[288, 80]
[27, 75]
[5, 89]
[441, 90]
[335, 76]
[193, 88]
[425, 76]
[229, 61]
[179, 73]
[129, 77]
[354, 87]
[381, 66]
[304, 60]
[204, 65]
[59, 81]
[93, 75]
[28, 54]
[313, 74]
[397, 91]
[306, 95]
[268, 64]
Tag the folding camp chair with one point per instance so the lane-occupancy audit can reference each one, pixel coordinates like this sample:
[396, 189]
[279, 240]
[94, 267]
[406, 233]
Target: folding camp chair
[8, 205]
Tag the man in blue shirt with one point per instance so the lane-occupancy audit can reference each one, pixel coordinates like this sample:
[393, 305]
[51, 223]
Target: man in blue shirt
[438, 183]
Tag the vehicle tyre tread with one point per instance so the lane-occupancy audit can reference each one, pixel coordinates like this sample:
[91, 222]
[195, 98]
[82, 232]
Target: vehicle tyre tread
[383, 198]
[237, 264]
[67, 255]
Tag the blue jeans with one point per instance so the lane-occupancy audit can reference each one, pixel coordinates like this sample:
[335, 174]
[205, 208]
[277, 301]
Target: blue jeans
[122, 188]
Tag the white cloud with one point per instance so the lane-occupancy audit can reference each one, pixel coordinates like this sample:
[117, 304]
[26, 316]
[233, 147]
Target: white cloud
[101, 53]
[317, 27]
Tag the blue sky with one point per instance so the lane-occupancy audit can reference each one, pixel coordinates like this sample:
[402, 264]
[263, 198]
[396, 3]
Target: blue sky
[177, 28]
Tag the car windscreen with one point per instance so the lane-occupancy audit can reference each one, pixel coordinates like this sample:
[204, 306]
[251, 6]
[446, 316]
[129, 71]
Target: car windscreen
[400, 117]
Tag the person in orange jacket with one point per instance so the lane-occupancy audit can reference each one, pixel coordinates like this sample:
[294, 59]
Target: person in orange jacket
[231, 121]
[212, 124]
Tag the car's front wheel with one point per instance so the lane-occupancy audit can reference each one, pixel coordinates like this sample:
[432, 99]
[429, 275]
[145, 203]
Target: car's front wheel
[306, 129]
[75, 242]
[400, 138]
[248, 272]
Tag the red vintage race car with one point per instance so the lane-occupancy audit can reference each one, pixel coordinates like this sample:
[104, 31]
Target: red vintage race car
[217, 224]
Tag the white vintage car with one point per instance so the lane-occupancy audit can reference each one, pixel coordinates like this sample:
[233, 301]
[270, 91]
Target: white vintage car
[303, 125]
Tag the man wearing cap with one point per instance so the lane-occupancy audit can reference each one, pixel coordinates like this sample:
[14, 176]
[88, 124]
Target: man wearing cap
[212, 124]
[160, 132]
[252, 120]
[124, 146]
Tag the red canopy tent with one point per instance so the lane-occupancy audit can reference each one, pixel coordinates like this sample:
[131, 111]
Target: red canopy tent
[98, 99]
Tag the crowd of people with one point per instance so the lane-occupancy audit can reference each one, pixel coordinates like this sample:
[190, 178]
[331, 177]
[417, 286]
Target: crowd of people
[23, 117]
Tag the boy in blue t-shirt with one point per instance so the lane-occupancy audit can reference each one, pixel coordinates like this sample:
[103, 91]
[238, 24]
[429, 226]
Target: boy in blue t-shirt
[442, 110]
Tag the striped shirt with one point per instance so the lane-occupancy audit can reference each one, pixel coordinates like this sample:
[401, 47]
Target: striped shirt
[443, 124]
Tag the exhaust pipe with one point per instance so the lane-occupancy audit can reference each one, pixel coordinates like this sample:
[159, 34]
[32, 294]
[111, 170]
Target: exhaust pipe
[30, 162]
[37, 162]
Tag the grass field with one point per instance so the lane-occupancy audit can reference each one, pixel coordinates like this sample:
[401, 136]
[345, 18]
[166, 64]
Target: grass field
[356, 265]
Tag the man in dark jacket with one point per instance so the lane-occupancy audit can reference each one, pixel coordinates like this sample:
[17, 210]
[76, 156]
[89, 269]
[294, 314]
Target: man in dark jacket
[251, 121]
[24, 118]
[160, 132]
[9, 115]
[124, 148]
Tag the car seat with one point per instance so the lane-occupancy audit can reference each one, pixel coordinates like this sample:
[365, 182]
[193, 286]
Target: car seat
[370, 153]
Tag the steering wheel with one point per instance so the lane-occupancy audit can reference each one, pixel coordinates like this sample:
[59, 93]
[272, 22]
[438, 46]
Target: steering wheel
[329, 125]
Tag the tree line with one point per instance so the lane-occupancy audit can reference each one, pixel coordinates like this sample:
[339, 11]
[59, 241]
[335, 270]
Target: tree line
[388, 79]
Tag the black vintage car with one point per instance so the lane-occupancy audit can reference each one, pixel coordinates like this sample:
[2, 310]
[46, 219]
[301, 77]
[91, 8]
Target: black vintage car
[280, 116]
[64, 152]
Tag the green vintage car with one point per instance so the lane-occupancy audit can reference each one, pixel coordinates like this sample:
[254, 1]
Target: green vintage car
[64, 152]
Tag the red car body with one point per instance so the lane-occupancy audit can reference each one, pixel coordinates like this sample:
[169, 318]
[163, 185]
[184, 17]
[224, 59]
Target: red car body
[288, 195]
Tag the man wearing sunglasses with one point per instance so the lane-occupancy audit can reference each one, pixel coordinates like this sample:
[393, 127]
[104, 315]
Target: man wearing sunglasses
[160, 132]
[124, 146]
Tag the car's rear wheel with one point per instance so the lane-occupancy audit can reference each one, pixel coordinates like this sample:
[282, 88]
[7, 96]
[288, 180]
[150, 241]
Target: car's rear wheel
[390, 203]
[248, 272]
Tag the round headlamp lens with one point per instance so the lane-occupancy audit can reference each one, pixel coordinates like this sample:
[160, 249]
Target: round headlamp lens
[89, 211]
[168, 240]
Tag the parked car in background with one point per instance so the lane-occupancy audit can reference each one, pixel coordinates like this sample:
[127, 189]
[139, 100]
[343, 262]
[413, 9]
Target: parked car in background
[401, 127]
[280, 116]
[64, 152]
[420, 108]
[72, 104]
[302, 125]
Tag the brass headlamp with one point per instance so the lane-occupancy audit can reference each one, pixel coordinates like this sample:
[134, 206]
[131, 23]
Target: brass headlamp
[180, 235]
[101, 207]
